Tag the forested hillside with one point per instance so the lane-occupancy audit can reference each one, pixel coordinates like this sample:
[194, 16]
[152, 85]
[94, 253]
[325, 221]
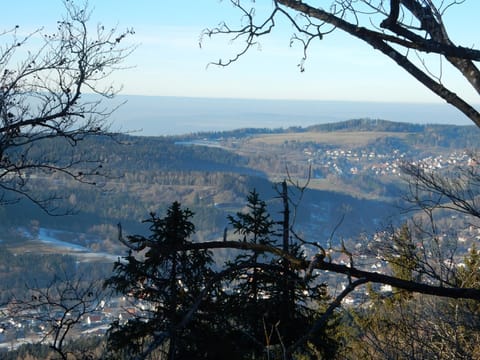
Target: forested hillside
[212, 173]
[347, 240]
[346, 190]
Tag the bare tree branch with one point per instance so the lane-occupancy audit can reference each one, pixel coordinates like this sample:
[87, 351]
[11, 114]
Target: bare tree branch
[58, 307]
[394, 36]
[43, 101]
[322, 321]
[321, 264]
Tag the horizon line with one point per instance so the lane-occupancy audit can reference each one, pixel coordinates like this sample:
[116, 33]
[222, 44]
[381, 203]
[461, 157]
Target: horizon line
[291, 99]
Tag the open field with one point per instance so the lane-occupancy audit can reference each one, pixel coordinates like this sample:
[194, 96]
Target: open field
[337, 138]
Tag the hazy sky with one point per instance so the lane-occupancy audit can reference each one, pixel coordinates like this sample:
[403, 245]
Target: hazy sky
[169, 61]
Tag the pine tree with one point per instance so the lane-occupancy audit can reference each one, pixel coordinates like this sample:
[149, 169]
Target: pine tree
[404, 261]
[163, 280]
[268, 301]
[251, 286]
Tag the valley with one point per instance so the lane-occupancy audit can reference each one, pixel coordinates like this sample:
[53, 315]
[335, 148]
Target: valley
[346, 191]
[351, 170]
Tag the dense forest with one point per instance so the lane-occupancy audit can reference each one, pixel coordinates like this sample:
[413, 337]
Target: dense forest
[213, 173]
[223, 192]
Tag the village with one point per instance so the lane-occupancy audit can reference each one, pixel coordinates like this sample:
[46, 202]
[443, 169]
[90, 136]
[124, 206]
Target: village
[18, 330]
[350, 162]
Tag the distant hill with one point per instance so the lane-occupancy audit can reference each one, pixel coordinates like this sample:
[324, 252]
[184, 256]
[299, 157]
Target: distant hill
[213, 172]
[435, 135]
[181, 115]
[367, 124]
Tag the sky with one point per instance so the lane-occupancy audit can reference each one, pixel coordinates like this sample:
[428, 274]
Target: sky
[168, 60]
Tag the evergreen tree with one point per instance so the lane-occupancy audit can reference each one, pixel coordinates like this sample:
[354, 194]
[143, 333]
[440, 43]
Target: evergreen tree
[164, 280]
[268, 302]
[404, 260]
[251, 295]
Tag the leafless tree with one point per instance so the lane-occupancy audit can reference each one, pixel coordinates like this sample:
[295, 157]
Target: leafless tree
[427, 249]
[443, 203]
[406, 31]
[453, 190]
[52, 92]
[58, 308]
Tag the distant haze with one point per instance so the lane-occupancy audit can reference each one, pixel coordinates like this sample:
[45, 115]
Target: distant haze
[155, 116]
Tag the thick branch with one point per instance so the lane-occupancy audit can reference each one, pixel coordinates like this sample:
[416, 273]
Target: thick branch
[296, 263]
[378, 42]
[321, 322]
[393, 16]
[432, 23]
[435, 40]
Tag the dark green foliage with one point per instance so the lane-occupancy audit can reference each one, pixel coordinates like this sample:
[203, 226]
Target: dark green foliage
[163, 154]
[253, 302]
[405, 260]
[167, 280]
[17, 271]
[254, 226]
[84, 348]
[366, 124]
[256, 304]
[268, 302]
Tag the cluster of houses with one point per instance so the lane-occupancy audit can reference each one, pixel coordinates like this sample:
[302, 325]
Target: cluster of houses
[28, 328]
[350, 162]
[15, 331]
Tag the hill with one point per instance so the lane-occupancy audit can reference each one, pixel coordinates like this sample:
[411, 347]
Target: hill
[352, 169]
